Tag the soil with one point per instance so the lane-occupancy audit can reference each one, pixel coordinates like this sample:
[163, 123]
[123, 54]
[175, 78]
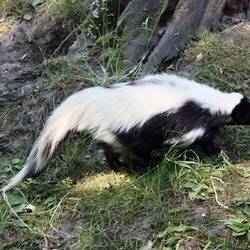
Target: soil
[23, 45]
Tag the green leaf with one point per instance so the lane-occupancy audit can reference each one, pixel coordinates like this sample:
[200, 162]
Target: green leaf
[190, 185]
[232, 221]
[192, 195]
[171, 240]
[181, 228]
[182, 208]
[218, 173]
[19, 208]
[247, 210]
[18, 223]
[238, 233]
[184, 164]
[201, 187]
[49, 201]
[15, 200]
[219, 187]
[248, 236]
[207, 245]
[27, 17]
[237, 224]
[161, 234]
[15, 161]
[36, 2]
[236, 228]
[241, 199]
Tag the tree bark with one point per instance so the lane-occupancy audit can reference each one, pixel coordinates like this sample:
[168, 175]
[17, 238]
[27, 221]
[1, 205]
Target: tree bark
[157, 30]
[190, 17]
[134, 19]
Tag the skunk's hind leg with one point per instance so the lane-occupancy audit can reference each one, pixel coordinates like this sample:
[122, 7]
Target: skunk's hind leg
[113, 158]
[125, 160]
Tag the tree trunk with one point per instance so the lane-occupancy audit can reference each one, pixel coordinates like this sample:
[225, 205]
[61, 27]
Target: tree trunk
[156, 31]
[190, 18]
[139, 18]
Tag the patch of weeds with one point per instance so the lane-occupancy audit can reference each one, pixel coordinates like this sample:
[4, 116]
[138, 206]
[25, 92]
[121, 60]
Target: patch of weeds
[11, 5]
[17, 202]
[26, 11]
[235, 140]
[238, 221]
[103, 62]
[196, 187]
[205, 183]
[172, 235]
[63, 11]
[6, 23]
[67, 12]
[23, 9]
[70, 155]
[242, 202]
[118, 210]
[221, 60]
[121, 206]
[10, 168]
[239, 227]
[98, 64]
[102, 18]
[109, 202]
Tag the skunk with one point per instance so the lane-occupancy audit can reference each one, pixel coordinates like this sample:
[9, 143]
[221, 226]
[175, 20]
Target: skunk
[135, 118]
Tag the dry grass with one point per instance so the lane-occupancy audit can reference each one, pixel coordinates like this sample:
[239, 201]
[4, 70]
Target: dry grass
[11, 5]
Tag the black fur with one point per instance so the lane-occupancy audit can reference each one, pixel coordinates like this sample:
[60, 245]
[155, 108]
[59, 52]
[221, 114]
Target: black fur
[241, 113]
[142, 140]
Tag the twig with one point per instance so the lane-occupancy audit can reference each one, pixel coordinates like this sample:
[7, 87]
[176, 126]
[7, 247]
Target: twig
[212, 178]
[13, 211]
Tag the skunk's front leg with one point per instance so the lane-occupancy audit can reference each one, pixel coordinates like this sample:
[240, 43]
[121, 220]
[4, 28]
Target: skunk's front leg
[210, 150]
[207, 142]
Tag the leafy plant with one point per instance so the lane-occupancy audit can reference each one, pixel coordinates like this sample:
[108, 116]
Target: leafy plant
[26, 8]
[220, 60]
[17, 202]
[243, 202]
[173, 233]
[11, 167]
[197, 188]
[239, 226]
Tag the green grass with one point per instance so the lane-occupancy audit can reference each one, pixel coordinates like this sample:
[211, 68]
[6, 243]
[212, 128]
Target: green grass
[222, 60]
[62, 10]
[186, 202]
[110, 210]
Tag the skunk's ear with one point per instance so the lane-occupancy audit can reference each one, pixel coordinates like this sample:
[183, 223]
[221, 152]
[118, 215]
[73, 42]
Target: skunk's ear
[241, 112]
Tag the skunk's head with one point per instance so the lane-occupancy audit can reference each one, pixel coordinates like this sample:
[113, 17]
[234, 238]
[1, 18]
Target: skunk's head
[241, 112]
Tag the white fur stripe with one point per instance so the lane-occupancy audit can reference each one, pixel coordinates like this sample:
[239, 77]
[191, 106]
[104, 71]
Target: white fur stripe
[187, 139]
